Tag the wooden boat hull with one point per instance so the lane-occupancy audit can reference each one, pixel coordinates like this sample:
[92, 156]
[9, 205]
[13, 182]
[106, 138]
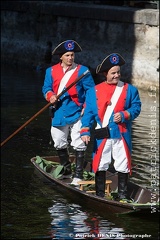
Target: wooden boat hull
[136, 192]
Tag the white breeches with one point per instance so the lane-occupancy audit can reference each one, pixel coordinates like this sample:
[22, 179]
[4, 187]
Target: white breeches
[114, 148]
[60, 136]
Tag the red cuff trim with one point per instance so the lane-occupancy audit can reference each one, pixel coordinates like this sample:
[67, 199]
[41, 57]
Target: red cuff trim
[126, 114]
[84, 130]
[49, 95]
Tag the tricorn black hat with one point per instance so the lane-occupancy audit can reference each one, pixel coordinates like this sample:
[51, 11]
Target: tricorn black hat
[67, 46]
[114, 59]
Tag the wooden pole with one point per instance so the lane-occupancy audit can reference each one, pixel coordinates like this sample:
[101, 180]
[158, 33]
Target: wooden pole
[44, 108]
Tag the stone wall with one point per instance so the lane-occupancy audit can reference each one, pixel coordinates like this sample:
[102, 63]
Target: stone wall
[26, 26]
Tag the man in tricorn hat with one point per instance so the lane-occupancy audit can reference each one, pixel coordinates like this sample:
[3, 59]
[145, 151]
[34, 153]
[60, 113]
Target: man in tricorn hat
[113, 105]
[69, 107]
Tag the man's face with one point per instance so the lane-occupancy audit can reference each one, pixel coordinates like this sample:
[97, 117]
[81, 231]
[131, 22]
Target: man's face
[113, 75]
[67, 58]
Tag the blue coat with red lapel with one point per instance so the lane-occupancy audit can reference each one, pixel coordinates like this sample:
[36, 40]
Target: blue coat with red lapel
[69, 108]
[128, 104]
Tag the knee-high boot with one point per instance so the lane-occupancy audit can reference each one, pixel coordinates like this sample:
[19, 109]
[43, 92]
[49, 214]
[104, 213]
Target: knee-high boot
[100, 179]
[64, 160]
[122, 185]
[78, 175]
[79, 164]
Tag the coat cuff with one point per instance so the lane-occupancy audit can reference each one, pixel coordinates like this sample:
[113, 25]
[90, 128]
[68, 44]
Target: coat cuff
[125, 116]
[49, 95]
[85, 132]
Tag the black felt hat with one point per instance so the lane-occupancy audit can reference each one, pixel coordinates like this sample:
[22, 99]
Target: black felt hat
[67, 46]
[114, 59]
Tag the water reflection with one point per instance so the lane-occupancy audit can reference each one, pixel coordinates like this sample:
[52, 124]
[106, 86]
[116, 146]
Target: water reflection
[70, 222]
[146, 142]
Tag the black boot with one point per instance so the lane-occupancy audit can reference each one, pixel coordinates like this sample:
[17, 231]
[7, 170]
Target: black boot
[78, 175]
[79, 164]
[64, 160]
[100, 180]
[122, 185]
